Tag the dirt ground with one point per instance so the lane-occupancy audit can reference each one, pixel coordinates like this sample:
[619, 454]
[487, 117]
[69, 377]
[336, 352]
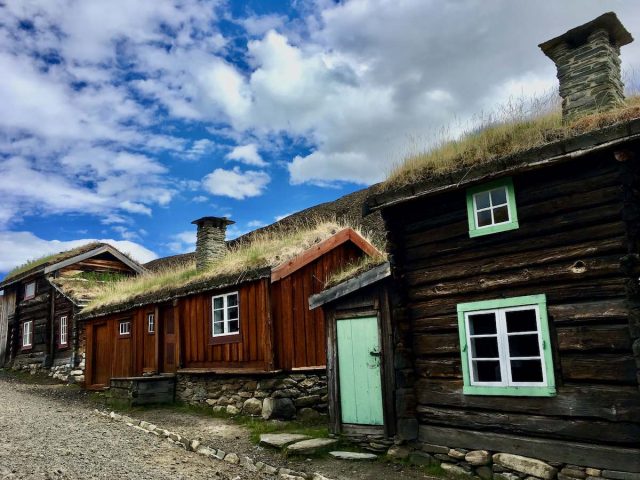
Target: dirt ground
[50, 431]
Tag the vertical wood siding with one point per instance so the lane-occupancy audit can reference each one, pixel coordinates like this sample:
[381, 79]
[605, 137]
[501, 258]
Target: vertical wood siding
[299, 333]
[569, 246]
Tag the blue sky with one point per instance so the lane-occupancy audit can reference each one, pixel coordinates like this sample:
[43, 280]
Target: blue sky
[124, 121]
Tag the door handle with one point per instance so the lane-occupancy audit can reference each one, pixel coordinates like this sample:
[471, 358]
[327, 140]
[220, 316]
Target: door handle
[375, 354]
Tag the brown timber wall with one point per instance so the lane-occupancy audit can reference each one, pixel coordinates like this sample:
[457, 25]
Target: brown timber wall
[254, 348]
[299, 332]
[569, 246]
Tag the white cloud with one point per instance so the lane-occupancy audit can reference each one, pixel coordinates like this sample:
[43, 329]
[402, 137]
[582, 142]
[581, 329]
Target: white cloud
[236, 183]
[200, 199]
[183, 242]
[255, 224]
[247, 154]
[18, 247]
[284, 215]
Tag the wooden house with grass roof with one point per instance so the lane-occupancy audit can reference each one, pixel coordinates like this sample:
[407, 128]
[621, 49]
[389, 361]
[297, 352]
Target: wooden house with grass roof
[234, 325]
[41, 298]
[515, 253]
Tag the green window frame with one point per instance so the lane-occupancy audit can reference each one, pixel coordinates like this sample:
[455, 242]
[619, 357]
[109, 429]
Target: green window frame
[495, 227]
[505, 385]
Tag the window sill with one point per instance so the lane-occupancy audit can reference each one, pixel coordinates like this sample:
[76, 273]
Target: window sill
[27, 348]
[510, 391]
[224, 339]
[478, 232]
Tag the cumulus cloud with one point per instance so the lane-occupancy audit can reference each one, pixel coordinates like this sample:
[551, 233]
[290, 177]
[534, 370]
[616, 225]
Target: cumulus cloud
[183, 242]
[18, 247]
[247, 154]
[236, 183]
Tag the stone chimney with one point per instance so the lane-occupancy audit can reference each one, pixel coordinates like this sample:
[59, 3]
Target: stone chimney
[210, 242]
[588, 62]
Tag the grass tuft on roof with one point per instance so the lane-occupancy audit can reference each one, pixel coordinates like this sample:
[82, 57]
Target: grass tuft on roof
[50, 259]
[258, 250]
[517, 127]
[354, 269]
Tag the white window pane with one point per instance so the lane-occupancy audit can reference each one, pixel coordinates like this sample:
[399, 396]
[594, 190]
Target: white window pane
[234, 326]
[482, 200]
[524, 345]
[526, 371]
[232, 300]
[232, 313]
[218, 302]
[484, 347]
[484, 218]
[521, 321]
[218, 328]
[487, 371]
[501, 214]
[482, 323]
[499, 196]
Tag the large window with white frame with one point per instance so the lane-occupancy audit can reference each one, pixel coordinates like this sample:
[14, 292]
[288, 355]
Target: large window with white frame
[27, 334]
[29, 290]
[64, 331]
[226, 315]
[491, 208]
[151, 323]
[506, 348]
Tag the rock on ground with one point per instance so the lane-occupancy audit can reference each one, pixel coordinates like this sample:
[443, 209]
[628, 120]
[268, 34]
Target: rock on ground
[281, 440]
[309, 447]
[354, 456]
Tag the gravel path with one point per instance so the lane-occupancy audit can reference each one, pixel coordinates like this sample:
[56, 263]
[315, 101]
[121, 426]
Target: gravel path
[46, 432]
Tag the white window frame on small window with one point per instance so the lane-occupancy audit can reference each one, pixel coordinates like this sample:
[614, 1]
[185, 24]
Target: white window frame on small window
[64, 330]
[29, 286]
[225, 317]
[27, 334]
[125, 328]
[506, 386]
[151, 323]
[505, 184]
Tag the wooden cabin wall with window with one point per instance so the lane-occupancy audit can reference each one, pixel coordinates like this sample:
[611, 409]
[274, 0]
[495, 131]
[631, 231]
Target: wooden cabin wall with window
[300, 332]
[35, 309]
[63, 309]
[568, 246]
[251, 349]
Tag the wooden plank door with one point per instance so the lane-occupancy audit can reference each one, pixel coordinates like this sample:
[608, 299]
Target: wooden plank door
[169, 339]
[359, 371]
[101, 355]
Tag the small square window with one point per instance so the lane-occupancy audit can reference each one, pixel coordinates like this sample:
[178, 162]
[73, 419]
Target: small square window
[226, 315]
[505, 347]
[151, 323]
[29, 290]
[125, 328]
[64, 331]
[27, 334]
[491, 208]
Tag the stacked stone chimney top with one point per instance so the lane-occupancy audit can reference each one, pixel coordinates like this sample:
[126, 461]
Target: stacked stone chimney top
[588, 62]
[618, 35]
[210, 242]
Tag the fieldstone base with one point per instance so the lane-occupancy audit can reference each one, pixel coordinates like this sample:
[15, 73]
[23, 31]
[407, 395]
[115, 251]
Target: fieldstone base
[62, 369]
[282, 396]
[499, 466]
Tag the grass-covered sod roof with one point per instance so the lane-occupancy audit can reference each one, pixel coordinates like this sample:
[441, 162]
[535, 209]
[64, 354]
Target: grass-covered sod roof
[512, 131]
[244, 261]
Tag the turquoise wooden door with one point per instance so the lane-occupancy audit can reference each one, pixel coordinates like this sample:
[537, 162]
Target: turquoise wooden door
[359, 370]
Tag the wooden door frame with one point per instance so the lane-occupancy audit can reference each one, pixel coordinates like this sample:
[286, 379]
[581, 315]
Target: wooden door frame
[89, 360]
[376, 309]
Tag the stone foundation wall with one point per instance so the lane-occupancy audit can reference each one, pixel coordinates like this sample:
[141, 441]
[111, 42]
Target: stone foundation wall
[283, 396]
[62, 369]
[500, 466]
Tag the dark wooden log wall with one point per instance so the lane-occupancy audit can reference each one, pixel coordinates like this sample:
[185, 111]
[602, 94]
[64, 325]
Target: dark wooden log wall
[569, 246]
[253, 351]
[300, 332]
[103, 263]
[38, 310]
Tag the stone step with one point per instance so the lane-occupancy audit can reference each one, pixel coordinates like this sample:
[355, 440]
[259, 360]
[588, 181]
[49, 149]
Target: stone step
[353, 456]
[310, 447]
[281, 440]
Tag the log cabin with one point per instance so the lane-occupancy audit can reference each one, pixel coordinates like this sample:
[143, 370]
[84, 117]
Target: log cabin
[41, 299]
[517, 325]
[232, 328]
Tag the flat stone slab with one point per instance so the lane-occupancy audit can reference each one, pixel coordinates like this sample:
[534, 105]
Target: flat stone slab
[281, 440]
[309, 447]
[353, 456]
